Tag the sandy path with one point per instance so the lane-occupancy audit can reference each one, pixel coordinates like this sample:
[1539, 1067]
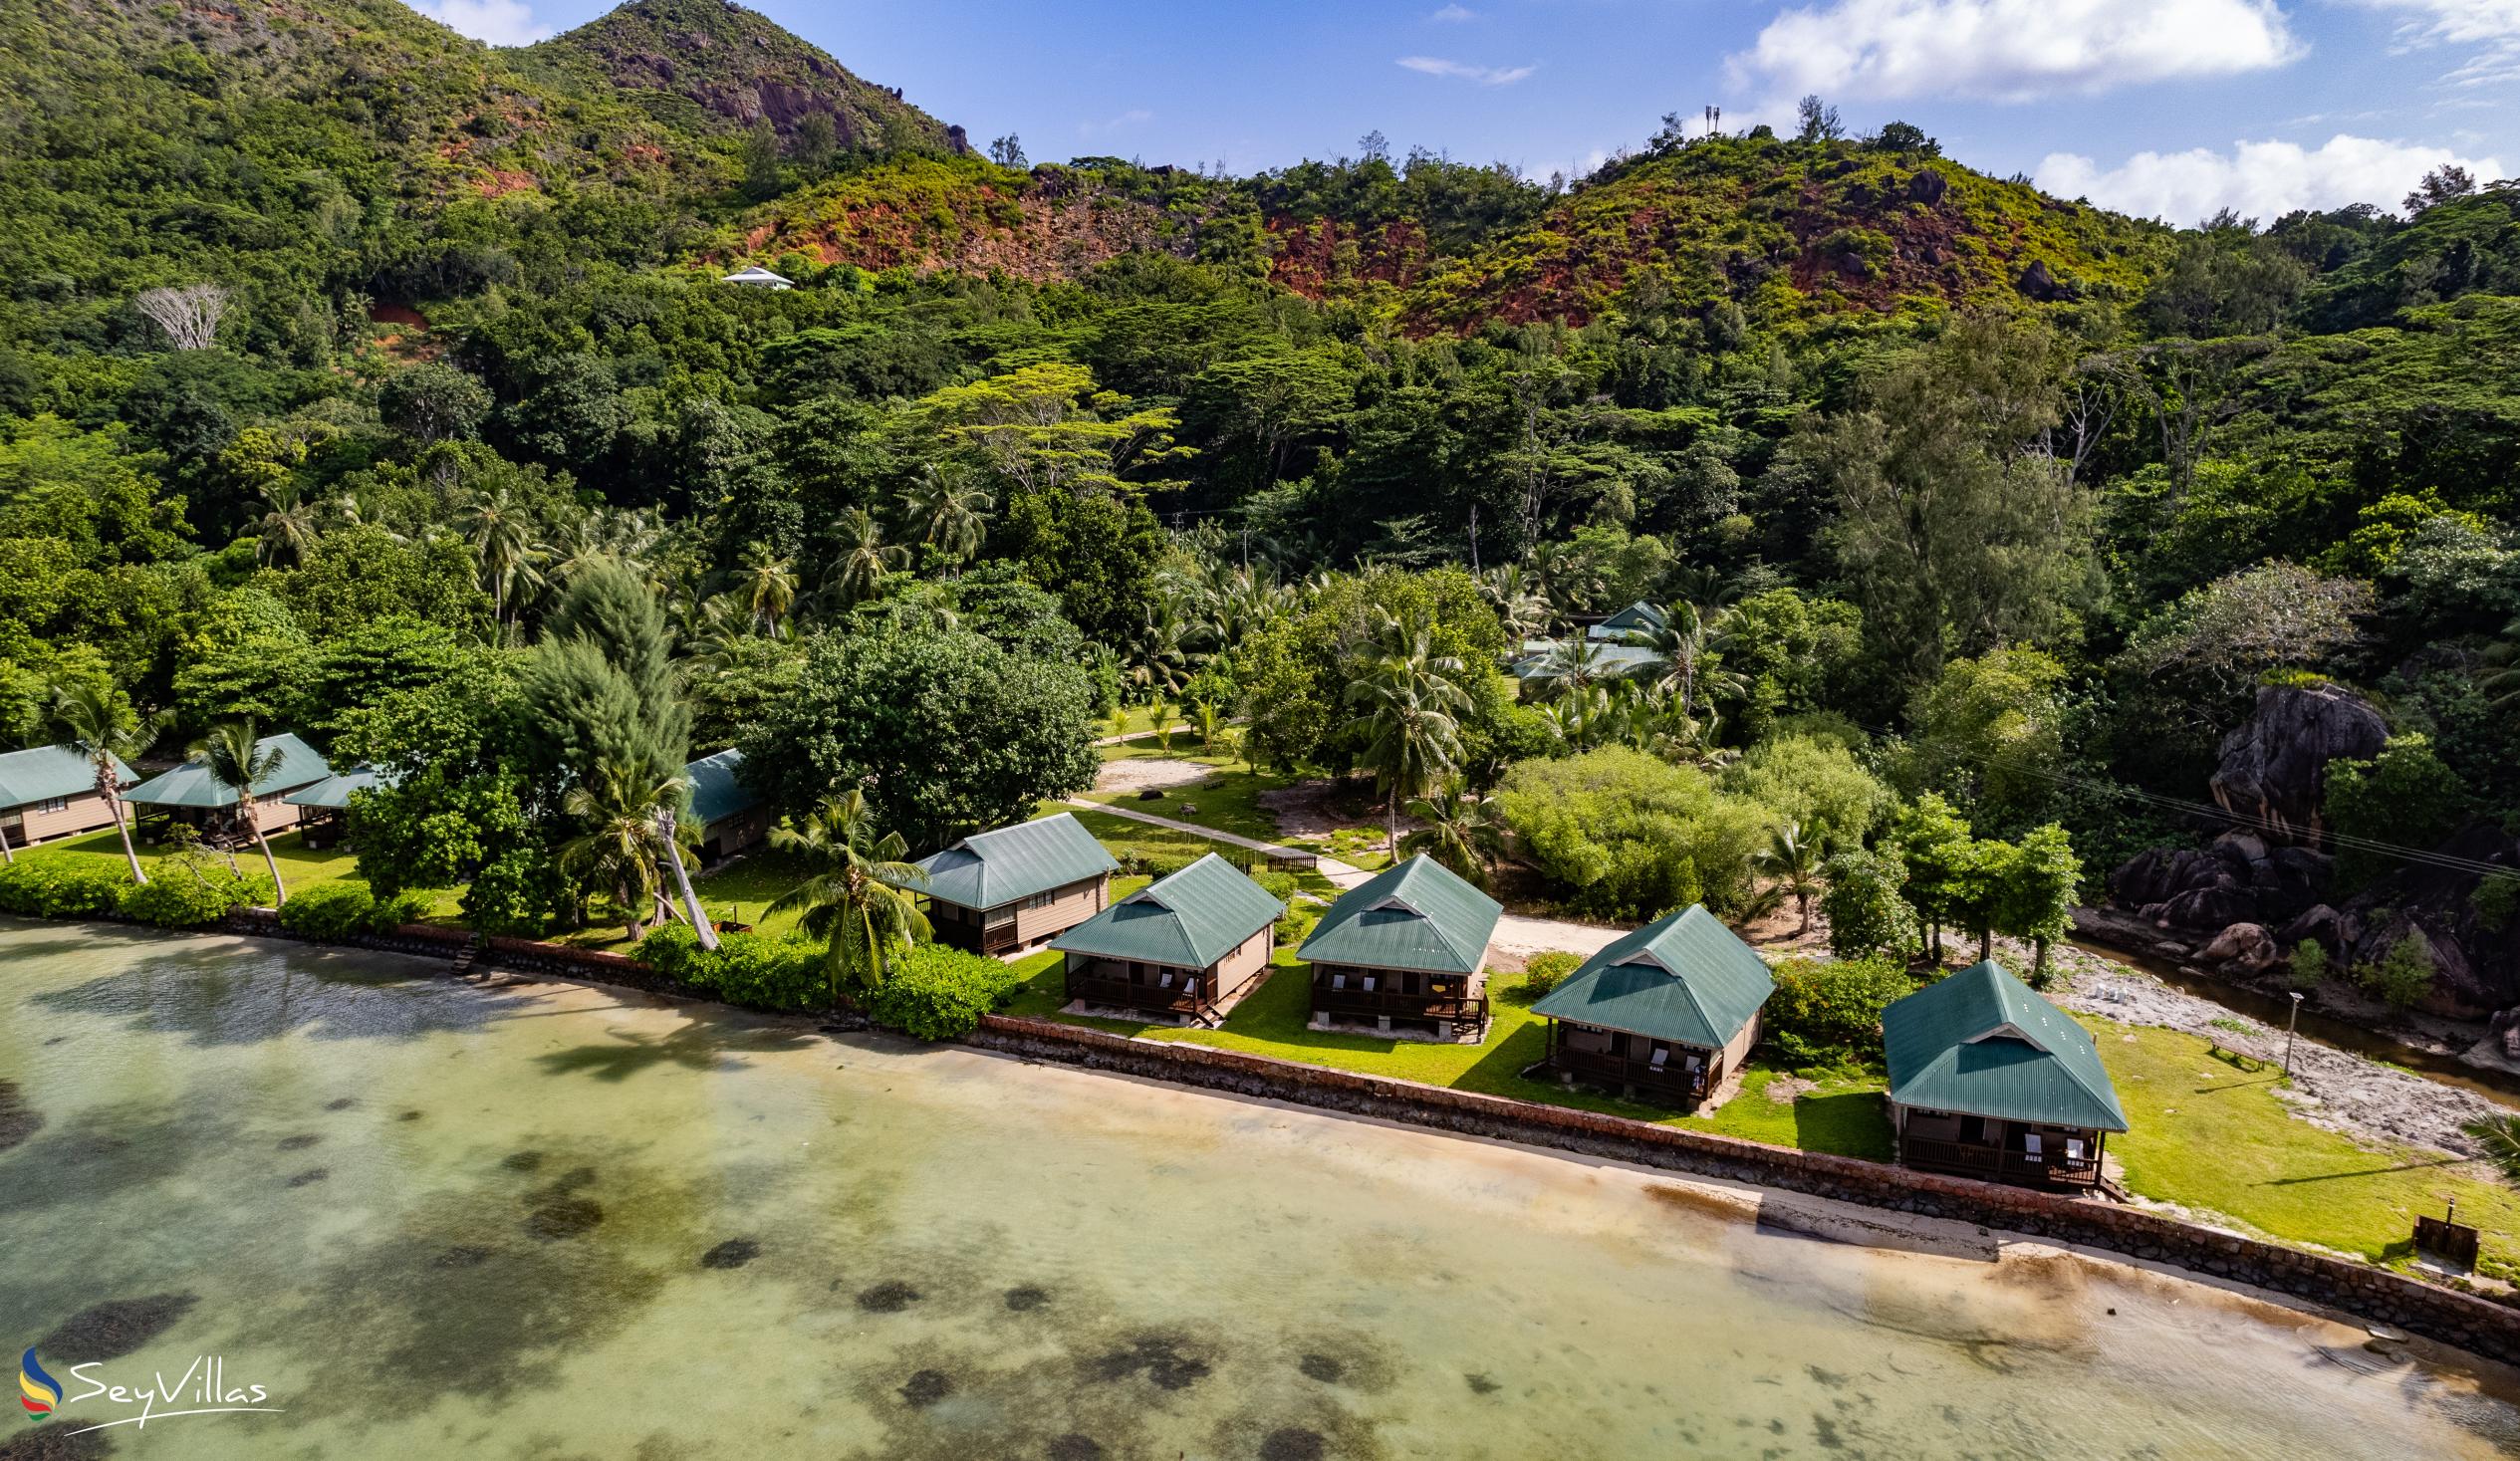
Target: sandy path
[1142, 773]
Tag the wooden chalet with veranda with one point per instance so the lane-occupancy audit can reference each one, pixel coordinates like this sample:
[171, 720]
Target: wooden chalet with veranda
[1405, 953]
[1987, 1079]
[1665, 1014]
[996, 892]
[1184, 948]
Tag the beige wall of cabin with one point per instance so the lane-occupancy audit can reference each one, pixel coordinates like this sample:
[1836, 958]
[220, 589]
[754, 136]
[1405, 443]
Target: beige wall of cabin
[1737, 1048]
[27, 825]
[1067, 907]
[737, 834]
[1234, 970]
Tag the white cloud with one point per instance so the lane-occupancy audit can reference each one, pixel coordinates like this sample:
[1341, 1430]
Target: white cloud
[2262, 181]
[1131, 117]
[1454, 14]
[1486, 75]
[2491, 26]
[499, 22]
[2009, 50]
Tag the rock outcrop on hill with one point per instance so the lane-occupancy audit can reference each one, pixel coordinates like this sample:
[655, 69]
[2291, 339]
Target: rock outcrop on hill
[2274, 771]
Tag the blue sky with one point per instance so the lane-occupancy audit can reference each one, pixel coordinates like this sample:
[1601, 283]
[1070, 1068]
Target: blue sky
[2166, 108]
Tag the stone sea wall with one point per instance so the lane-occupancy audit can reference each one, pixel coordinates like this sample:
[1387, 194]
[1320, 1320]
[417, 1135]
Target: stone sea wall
[2465, 1321]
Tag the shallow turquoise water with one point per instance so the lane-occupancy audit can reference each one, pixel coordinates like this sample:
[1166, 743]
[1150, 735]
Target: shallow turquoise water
[547, 1222]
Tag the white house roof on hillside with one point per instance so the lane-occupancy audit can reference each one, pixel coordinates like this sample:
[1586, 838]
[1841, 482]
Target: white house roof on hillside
[755, 274]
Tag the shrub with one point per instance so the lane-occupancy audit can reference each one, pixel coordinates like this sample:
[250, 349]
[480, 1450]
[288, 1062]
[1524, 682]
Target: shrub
[404, 908]
[1545, 972]
[2495, 900]
[1866, 913]
[1628, 835]
[331, 911]
[191, 897]
[1826, 1009]
[751, 969]
[2309, 964]
[2402, 975]
[940, 992]
[52, 888]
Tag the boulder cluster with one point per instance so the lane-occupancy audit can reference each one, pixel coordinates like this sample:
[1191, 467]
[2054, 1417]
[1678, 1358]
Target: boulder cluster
[2247, 900]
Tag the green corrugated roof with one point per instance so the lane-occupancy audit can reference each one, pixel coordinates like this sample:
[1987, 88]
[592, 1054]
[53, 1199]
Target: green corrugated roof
[1189, 920]
[715, 793]
[1416, 914]
[1985, 1044]
[191, 785]
[1639, 618]
[991, 868]
[1684, 978]
[42, 773]
[333, 792]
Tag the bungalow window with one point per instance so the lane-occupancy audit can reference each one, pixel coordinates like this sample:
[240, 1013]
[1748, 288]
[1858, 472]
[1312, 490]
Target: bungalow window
[53, 803]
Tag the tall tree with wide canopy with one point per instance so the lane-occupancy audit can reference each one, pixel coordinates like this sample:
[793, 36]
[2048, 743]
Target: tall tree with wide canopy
[238, 761]
[858, 901]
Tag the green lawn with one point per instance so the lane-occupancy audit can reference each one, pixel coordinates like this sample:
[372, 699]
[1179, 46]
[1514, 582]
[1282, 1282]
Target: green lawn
[2211, 1135]
[1228, 801]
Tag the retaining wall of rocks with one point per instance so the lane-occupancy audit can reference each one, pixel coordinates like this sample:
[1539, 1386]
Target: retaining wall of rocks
[2479, 1325]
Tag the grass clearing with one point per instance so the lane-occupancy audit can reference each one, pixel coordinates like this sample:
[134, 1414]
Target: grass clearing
[300, 866]
[2212, 1136]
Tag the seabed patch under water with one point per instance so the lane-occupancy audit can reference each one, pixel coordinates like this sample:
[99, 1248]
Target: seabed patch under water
[548, 1222]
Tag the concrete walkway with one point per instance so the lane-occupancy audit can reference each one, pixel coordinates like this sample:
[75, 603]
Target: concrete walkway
[1515, 934]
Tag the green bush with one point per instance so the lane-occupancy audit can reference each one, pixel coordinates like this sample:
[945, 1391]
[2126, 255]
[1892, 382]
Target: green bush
[940, 992]
[751, 969]
[1826, 1010]
[1545, 972]
[192, 897]
[391, 914]
[331, 911]
[2402, 975]
[52, 888]
[2309, 964]
[1628, 835]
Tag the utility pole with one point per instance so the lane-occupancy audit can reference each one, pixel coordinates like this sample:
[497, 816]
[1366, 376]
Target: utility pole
[1475, 540]
[2288, 1032]
[1246, 552]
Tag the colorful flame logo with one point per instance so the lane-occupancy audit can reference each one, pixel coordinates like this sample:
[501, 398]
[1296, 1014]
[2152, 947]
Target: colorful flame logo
[37, 1391]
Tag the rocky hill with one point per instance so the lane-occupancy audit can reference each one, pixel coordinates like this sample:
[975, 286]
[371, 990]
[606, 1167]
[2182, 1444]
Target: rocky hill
[699, 63]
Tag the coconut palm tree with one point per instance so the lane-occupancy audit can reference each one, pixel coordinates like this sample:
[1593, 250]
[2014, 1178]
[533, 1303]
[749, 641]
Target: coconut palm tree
[948, 511]
[1410, 699]
[1684, 649]
[1791, 863]
[97, 722]
[1460, 832]
[237, 760]
[501, 535]
[768, 586]
[859, 899]
[626, 840]
[864, 557]
[1571, 665]
[287, 533]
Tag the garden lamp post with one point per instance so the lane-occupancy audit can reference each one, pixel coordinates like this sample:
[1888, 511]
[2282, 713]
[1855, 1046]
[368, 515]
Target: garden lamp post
[2288, 1032]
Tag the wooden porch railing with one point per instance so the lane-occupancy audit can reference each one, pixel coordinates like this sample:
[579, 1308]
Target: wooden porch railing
[1672, 1077]
[1367, 1004]
[2004, 1164]
[1128, 995]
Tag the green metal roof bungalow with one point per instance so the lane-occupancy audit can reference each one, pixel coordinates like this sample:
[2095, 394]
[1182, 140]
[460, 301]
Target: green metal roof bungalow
[1989, 1079]
[730, 816]
[191, 794]
[327, 804]
[1405, 953]
[1609, 658]
[49, 792]
[1666, 1013]
[1639, 618]
[1186, 947]
[1015, 886]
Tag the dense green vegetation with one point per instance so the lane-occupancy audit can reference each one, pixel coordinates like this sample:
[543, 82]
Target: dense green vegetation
[361, 380]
